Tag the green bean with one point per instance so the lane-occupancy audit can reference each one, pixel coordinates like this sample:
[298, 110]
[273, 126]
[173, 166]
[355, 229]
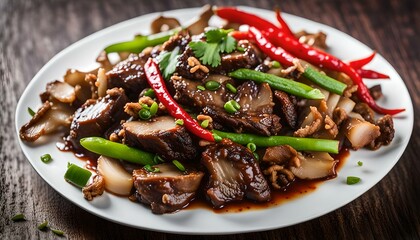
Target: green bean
[287, 85]
[300, 144]
[141, 42]
[117, 150]
[324, 81]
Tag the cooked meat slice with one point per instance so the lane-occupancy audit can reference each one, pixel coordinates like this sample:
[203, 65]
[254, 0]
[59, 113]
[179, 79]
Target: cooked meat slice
[287, 105]
[129, 75]
[184, 69]
[360, 133]
[311, 123]
[316, 165]
[168, 190]
[95, 116]
[50, 118]
[263, 124]
[386, 127]
[95, 188]
[255, 99]
[180, 40]
[281, 155]
[61, 91]
[339, 115]
[233, 174]
[250, 58]
[188, 94]
[313, 39]
[161, 135]
[365, 111]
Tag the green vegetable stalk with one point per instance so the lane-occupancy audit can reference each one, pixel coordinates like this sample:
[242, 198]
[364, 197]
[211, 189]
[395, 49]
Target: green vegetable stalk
[324, 81]
[141, 42]
[117, 150]
[287, 85]
[300, 144]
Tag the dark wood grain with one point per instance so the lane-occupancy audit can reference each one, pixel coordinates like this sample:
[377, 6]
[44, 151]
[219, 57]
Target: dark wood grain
[31, 32]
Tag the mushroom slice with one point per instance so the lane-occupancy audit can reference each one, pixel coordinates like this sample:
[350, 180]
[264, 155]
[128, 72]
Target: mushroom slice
[360, 133]
[202, 21]
[49, 118]
[315, 166]
[162, 24]
[61, 91]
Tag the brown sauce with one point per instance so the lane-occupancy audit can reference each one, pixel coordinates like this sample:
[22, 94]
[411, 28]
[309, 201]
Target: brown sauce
[296, 189]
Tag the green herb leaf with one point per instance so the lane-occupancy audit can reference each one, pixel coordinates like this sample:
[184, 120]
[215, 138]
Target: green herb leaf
[217, 41]
[360, 163]
[151, 169]
[168, 61]
[31, 112]
[179, 165]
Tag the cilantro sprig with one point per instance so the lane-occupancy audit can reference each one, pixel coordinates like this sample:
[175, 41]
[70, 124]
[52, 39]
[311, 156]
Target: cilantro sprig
[168, 61]
[217, 41]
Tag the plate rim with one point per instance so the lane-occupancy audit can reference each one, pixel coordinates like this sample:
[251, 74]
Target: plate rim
[111, 28]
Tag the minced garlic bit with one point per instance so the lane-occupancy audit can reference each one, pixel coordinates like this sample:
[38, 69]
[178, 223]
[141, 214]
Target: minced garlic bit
[195, 65]
[203, 117]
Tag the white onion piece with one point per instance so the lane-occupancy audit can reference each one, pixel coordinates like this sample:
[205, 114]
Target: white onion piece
[117, 179]
[102, 82]
[360, 133]
[332, 103]
[347, 104]
[321, 165]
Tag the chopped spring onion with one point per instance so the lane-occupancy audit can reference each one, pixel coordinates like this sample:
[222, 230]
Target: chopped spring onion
[150, 93]
[275, 64]
[360, 163]
[212, 85]
[151, 169]
[232, 106]
[43, 225]
[18, 217]
[158, 159]
[252, 147]
[256, 156]
[154, 108]
[46, 158]
[231, 88]
[31, 112]
[205, 123]
[179, 122]
[57, 232]
[199, 87]
[179, 165]
[144, 114]
[352, 180]
[77, 175]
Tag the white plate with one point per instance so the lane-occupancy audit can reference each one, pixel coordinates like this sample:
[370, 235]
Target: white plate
[328, 197]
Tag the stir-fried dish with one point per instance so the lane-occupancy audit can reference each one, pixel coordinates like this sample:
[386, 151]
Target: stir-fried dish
[224, 113]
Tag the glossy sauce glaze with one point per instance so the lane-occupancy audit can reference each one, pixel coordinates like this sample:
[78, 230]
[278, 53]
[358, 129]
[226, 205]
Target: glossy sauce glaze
[296, 189]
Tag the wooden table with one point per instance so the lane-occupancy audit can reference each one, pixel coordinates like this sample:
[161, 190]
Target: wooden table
[32, 32]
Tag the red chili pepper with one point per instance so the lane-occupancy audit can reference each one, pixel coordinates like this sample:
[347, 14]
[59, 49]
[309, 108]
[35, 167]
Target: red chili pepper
[305, 52]
[156, 81]
[358, 64]
[238, 35]
[283, 25]
[370, 74]
[270, 50]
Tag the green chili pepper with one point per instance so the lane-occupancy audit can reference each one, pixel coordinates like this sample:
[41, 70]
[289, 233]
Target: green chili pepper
[300, 144]
[149, 93]
[145, 114]
[232, 106]
[324, 81]
[141, 42]
[251, 147]
[117, 150]
[46, 158]
[287, 85]
[154, 108]
[275, 64]
[352, 180]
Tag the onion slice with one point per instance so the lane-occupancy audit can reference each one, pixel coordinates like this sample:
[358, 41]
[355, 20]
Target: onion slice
[117, 179]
